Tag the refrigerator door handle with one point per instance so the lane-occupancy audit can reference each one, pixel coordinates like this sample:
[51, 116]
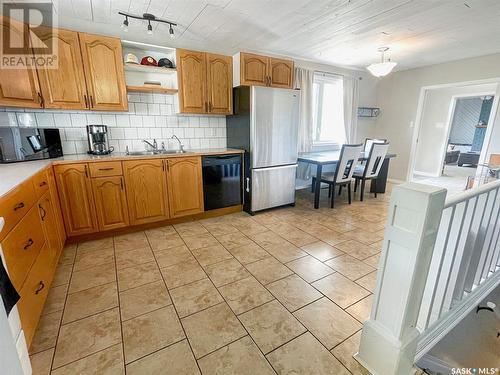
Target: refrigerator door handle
[247, 188]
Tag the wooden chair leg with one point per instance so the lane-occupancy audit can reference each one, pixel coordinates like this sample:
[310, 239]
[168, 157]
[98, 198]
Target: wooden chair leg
[313, 185]
[340, 190]
[362, 189]
[349, 192]
[356, 184]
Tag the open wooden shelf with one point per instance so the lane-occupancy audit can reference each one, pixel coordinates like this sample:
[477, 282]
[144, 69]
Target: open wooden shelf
[149, 69]
[151, 89]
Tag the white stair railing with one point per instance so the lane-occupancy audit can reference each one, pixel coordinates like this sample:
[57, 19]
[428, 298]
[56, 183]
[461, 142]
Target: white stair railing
[440, 258]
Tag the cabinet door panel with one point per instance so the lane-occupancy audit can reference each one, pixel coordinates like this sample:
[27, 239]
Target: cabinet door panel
[110, 202]
[191, 75]
[104, 74]
[185, 188]
[77, 202]
[49, 225]
[146, 191]
[18, 87]
[219, 83]
[281, 73]
[63, 87]
[253, 69]
[34, 293]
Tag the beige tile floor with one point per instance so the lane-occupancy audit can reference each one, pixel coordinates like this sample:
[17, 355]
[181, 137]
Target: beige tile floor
[284, 291]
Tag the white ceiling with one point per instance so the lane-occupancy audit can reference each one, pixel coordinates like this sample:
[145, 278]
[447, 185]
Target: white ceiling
[338, 32]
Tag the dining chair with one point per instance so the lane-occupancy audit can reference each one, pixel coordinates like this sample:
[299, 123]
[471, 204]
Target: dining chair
[369, 142]
[343, 175]
[371, 169]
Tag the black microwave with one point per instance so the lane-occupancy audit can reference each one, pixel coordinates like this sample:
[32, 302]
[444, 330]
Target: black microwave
[25, 144]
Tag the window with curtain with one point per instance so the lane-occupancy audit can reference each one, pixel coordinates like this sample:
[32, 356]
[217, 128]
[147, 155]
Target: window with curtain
[328, 109]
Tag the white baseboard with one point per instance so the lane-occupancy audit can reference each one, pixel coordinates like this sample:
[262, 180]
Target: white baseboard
[395, 181]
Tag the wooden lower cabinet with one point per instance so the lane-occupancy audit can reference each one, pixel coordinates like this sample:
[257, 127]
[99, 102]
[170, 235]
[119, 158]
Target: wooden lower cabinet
[34, 292]
[77, 202]
[110, 202]
[146, 189]
[185, 186]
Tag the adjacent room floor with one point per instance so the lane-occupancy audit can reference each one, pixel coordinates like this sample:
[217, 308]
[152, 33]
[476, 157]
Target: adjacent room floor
[286, 290]
[454, 178]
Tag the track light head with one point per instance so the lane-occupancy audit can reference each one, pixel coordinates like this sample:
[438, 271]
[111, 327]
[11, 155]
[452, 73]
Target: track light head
[125, 24]
[150, 28]
[171, 32]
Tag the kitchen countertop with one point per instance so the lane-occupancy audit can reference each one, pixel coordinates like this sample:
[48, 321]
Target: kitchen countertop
[13, 174]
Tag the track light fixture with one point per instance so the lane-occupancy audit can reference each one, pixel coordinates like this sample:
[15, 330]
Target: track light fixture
[147, 17]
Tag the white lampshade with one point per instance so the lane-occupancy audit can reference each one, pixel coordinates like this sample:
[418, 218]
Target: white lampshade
[381, 69]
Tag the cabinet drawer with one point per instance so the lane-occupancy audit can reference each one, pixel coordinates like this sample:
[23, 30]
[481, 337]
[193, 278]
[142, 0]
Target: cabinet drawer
[22, 245]
[15, 204]
[106, 169]
[34, 293]
[41, 183]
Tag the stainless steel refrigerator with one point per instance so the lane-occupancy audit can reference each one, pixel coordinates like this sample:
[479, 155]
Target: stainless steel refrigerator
[265, 125]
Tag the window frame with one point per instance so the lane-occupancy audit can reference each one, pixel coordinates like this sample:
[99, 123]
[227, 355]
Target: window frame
[319, 145]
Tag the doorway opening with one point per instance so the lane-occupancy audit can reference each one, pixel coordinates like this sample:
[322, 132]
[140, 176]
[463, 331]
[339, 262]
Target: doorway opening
[455, 124]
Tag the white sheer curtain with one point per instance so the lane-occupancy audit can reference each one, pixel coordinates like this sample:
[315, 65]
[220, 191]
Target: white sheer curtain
[304, 81]
[351, 96]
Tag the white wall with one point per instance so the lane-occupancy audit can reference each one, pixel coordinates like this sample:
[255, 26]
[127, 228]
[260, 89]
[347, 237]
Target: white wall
[398, 96]
[435, 125]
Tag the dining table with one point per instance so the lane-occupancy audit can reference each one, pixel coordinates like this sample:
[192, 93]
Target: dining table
[322, 158]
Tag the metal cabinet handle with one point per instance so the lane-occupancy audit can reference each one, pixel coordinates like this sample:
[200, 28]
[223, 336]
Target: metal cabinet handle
[44, 213]
[28, 244]
[86, 101]
[91, 101]
[209, 106]
[43, 183]
[247, 188]
[41, 285]
[86, 172]
[106, 169]
[121, 183]
[18, 206]
[206, 107]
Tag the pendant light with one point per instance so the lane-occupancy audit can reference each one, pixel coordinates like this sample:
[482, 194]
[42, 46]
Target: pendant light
[382, 68]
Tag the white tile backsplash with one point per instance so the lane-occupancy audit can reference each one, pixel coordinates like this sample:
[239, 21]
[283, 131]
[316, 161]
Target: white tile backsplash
[149, 116]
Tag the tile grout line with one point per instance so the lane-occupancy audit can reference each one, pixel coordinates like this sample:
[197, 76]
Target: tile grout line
[173, 305]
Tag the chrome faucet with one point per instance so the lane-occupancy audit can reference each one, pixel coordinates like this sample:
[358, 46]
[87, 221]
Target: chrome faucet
[154, 145]
[181, 146]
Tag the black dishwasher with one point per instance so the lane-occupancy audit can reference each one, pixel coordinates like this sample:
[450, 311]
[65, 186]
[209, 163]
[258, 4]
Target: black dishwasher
[221, 181]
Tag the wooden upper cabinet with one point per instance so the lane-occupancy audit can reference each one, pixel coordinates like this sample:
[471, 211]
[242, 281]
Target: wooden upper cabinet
[146, 190]
[111, 202]
[280, 73]
[64, 87]
[185, 186]
[18, 87]
[256, 70]
[104, 73]
[191, 73]
[219, 83]
[75, 194]
[253, 69]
